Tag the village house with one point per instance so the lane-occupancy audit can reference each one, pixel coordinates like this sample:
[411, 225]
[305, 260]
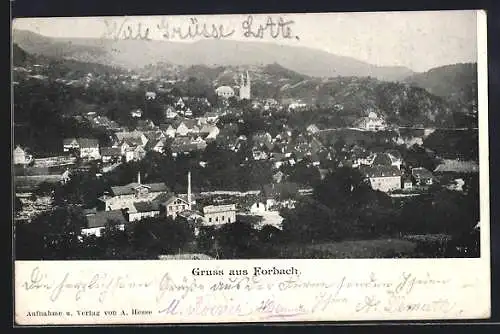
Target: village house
[111, 154]
[150, 95]
[96, 222]
[280, 194]
[224, 92]
[371, 123]
[450, 166]
[383, 178]
[89, 148]
[209, 131]
[122, 197]
[145, 125]
[135, 153]
[407, 182]
[312, 129]
[170, 131]
[20, 156]
[172, 205]
[186, 127]
[385, 159]
[258, 208]
[70, 144]
[212, 117]
[131, 137]
[184, 145]
[156, 145]
[422, 176]
[141, 210]
[219, 214]
[136, 113]
[179, 105]
[170, 113]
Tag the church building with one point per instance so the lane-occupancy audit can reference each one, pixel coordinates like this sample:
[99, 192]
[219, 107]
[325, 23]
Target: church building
[245, 85]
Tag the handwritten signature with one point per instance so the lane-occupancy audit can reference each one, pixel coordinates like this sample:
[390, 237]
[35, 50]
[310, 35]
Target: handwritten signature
[125, 29]
[272, 28]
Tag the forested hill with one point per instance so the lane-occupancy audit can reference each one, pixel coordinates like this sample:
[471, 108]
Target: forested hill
[456, 83]
[57, 67]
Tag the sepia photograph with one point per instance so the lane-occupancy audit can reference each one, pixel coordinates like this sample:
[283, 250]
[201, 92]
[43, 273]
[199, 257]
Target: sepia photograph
[315, 136]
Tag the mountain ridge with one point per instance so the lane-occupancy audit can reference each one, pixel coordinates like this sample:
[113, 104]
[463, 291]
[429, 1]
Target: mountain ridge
[135, 54]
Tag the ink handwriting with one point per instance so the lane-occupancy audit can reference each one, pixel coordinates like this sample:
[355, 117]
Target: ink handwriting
[221, 296]
[272, 28]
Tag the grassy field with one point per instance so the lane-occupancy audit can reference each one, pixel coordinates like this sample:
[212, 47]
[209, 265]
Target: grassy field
[379, 248]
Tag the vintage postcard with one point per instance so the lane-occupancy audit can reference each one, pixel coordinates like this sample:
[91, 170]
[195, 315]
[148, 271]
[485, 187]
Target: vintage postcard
[250, 168]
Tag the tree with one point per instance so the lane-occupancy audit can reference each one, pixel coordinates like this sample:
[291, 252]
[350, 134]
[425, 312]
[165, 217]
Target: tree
[344, 188]
[238, 240]
[310, 221]
[51, 235]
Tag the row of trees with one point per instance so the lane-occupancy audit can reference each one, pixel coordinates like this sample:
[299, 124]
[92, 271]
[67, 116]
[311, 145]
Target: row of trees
[344, 206]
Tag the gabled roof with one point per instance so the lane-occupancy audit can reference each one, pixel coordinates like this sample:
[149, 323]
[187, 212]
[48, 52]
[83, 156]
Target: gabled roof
[382, 159]
[101, 218]
[211, 114]
[132, 142]
[146, 206]
[189, 123]
[129, 189]
[111, 151]
[421, 173]
[455, 166]
[173, 198]
[88, 143]
[380, 171]
[69, 141]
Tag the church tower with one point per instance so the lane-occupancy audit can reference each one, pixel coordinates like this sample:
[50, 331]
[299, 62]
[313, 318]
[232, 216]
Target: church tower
[245, 87]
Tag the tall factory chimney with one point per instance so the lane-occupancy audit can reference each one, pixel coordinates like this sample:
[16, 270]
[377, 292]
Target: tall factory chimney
[189, 190]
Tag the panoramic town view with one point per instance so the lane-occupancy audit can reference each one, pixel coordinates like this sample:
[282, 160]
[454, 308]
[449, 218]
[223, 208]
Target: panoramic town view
[142, 149]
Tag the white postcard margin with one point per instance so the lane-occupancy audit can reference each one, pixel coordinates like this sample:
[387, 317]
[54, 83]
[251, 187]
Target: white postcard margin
[121, 292]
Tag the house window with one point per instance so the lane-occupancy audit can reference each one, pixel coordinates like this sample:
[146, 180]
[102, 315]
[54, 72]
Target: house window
[210, 219]
[216, 219]
[222, 218]
[228, 220]
[183, 207]
[170, 208]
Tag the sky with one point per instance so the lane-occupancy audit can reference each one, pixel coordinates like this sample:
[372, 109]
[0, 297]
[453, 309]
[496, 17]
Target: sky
[417, 40]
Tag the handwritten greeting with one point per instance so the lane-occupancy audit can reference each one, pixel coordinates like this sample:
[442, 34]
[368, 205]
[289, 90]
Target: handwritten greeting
[257, 293]
[194, 28]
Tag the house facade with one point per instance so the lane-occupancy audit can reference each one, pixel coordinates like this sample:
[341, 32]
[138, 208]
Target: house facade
[173, 206]
[96, 222]
[89, 148]
[383, 178]
[142, 210]
[123, 197]
[219, 214]
[422, 176]
[20, 157]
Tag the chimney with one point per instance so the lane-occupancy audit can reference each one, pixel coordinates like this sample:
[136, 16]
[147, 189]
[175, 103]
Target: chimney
[189, 190]
[139, 177]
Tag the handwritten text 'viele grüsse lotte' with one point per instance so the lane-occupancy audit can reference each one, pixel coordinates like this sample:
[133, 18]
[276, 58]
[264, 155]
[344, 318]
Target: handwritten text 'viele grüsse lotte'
[193, 28]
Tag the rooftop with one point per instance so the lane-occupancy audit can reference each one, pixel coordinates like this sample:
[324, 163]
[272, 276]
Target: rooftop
[457, 166]
[129, 189]
[146, 206]
[101, 218]
[421, 172]
[380, 171]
